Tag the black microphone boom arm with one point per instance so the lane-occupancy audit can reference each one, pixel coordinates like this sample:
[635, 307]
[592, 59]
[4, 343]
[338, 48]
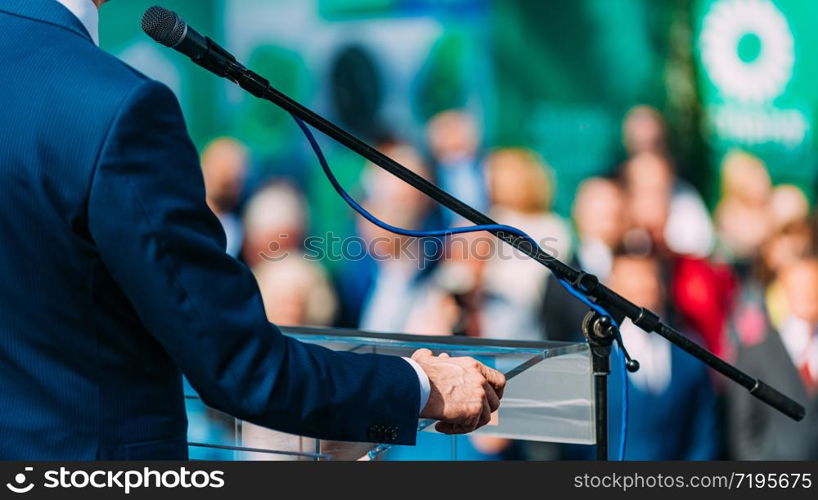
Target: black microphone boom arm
[214, 58]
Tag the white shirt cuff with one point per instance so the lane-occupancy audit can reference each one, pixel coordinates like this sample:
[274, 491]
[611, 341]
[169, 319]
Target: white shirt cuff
[423, 380]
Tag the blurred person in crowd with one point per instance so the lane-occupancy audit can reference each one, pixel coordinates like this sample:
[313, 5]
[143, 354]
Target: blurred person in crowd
[600, 218]
[224, 166]
[785, 357]
[459, 299]
[648, 184]
[671, 221]
[668, 208]
[743, 216]
[296, 291]
[454, 143]
[380, 283]
[520, 187]
[670, 386]
[786, 245]
[644, 131]
[788, 204]
[275, 223]
[763, 303]
[395, 276]
[521, 190]
[455, 301]
[382, 190]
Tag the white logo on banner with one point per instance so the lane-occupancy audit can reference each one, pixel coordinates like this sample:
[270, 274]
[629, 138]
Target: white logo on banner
[747, 49]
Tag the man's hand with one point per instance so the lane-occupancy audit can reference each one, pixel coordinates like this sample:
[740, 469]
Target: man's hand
[464, 392]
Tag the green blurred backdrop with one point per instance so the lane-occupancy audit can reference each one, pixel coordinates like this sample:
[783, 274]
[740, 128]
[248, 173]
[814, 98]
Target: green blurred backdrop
[551, 75]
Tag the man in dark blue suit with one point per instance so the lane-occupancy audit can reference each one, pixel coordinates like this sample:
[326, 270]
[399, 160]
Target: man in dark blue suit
[115, 279]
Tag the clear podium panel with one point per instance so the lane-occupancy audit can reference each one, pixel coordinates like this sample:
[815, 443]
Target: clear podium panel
[548, 397]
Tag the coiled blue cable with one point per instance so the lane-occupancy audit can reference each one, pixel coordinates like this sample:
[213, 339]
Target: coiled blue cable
[461, 230]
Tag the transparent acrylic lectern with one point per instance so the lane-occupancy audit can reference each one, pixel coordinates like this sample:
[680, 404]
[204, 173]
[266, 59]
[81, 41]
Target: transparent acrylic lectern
[548, 397]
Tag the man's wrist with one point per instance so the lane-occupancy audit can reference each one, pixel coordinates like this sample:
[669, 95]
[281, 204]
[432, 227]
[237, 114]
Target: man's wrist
[423, 383]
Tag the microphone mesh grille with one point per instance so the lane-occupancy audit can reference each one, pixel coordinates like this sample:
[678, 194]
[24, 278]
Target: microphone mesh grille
[163, 25]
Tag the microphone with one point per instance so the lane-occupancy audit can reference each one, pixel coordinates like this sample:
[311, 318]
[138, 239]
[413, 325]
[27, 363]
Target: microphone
[169, 29]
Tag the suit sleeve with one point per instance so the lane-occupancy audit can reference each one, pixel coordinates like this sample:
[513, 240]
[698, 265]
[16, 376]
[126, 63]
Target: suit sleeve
[154, 232]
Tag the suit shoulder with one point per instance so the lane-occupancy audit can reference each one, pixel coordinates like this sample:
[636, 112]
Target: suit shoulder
[70, 61]
[102, 86]
[106, 72]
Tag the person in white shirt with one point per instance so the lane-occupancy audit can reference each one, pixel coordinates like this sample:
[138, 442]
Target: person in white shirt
[521, 189]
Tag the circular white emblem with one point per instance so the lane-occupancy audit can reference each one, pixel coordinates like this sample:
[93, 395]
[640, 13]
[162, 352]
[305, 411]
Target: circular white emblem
[747, 49]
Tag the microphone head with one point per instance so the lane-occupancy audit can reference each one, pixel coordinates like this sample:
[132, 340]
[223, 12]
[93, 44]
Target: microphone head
[164, 26]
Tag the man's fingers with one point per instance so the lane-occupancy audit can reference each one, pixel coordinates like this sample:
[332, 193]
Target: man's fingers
[495, 378]
[492, 398]
[446, 428]
[485, 415]
[449, 428]
[472, 422]
[421, 353]
[443, 355]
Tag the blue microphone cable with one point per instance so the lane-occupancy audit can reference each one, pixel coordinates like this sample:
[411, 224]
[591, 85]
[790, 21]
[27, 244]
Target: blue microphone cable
[470, 229]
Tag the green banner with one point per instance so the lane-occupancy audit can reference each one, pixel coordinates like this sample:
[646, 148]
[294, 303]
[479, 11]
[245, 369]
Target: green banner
[565, 74]
[758, 66]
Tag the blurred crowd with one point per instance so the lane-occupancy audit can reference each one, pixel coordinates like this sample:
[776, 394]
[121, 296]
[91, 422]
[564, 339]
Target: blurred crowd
[741, 279]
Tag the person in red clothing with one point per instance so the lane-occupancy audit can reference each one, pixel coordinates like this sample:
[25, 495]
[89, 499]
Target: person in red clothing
[701, 291]
[704, 293]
